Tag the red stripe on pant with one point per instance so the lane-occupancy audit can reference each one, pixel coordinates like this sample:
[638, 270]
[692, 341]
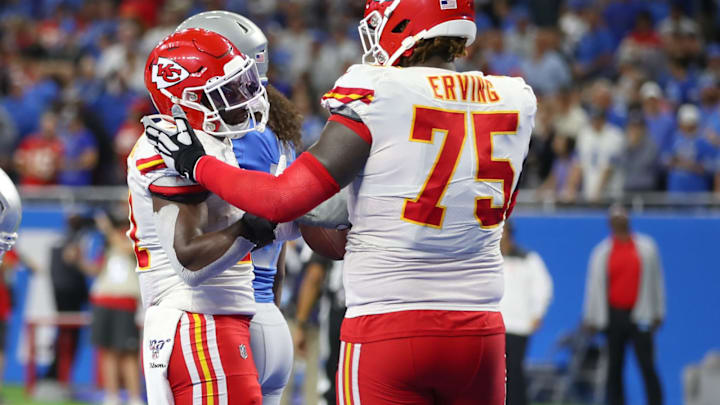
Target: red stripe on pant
[344, 376]
[196, 358]
[232, 343]
[178, 374]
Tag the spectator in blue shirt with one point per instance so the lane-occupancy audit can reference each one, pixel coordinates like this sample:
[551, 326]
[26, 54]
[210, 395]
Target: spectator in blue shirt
[602, 99]
[16, 8]
[500, 61]
[594, 52]
[545, 70]
[682, 86]
[25, 105]
[659, 121]
[86, 87]
[113, 104]
[638, 161]
[709, 98]
[691, 156]
[103, 23]
[717, 174]
[712, 70]
[620, 16]
[80, 154]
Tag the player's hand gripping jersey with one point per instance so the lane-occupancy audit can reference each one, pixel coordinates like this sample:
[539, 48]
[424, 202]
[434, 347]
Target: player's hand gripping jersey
[446, 153]
[231, 291]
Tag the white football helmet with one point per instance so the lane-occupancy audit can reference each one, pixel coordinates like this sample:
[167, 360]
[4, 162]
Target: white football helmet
[10, 213]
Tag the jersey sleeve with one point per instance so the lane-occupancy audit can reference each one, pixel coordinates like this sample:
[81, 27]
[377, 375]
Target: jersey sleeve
[149, 169]
[177, 188]
[529, 102]
[351, 100]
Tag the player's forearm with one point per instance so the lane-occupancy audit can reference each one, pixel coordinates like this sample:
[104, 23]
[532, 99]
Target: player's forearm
[197, 257]
[202, 250]
[309, 292]
[284, 198]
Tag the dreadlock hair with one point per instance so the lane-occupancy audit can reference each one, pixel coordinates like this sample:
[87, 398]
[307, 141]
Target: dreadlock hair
[447, 48]
[284, 119]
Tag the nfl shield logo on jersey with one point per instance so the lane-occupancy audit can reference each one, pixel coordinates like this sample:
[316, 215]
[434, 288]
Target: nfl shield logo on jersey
[156, 346]
[448, 4]
[243, 351]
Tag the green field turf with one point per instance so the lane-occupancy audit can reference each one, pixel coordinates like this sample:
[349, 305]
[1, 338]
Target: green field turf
[14, 395]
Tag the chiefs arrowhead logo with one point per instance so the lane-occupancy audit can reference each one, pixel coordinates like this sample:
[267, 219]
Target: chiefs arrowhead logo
[166, 73]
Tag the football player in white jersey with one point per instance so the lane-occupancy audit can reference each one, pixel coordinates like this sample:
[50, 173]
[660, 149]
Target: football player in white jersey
[270, 151]
[193, 249]
[433, 157]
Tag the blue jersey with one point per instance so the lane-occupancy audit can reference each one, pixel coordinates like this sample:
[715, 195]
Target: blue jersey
[263, 152]
[697, 150]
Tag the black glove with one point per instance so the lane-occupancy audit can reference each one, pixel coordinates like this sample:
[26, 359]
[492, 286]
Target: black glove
[258, 230]
[179, 148]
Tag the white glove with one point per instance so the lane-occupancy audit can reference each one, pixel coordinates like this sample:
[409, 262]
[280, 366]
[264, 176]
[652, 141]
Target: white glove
[179, 147]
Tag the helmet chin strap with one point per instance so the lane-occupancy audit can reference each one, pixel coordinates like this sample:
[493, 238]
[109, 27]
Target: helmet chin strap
[251, 124]
[407, 44]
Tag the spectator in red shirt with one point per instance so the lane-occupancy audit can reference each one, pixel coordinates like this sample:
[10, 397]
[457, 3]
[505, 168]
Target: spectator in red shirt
[128, 134]
[39, 156]
[643, 46]
[625, 296]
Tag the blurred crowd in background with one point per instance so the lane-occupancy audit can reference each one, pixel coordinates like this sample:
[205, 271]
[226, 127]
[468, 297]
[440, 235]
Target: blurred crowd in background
[628, 90]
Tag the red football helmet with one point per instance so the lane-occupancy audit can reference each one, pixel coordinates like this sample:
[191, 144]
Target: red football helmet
[218, 87]
[391, 28]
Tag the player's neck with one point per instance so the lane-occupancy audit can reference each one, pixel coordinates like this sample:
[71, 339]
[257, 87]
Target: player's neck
[436, 62]
[622, 236]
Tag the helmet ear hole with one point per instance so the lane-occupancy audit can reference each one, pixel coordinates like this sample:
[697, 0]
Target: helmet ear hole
[400, 27]
[191, 96]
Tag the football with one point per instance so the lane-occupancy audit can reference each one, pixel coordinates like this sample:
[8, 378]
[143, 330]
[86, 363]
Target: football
[325, 241]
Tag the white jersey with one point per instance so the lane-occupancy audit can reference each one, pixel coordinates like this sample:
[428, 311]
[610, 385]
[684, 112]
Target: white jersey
[231, 291]
[427, 211]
